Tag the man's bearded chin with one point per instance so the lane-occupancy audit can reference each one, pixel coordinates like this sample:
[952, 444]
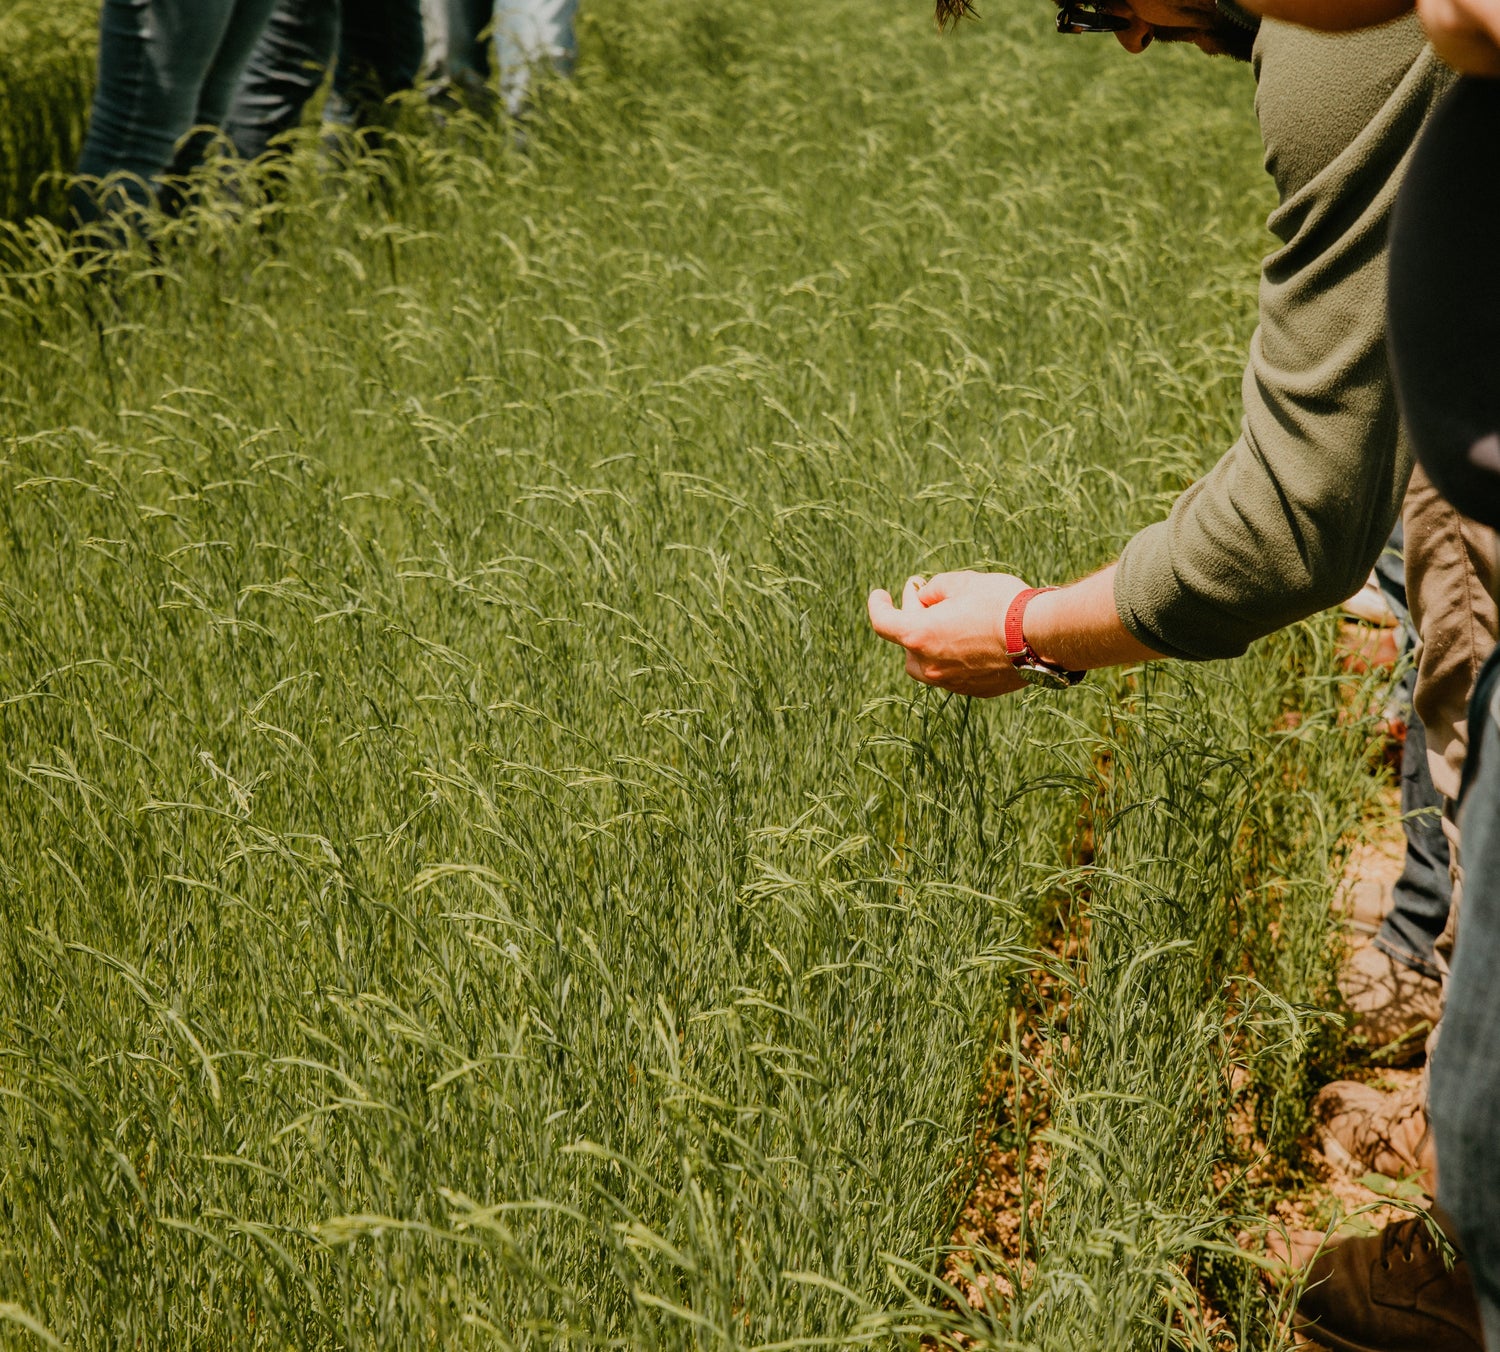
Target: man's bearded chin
[1218, 35]
[1227, 40]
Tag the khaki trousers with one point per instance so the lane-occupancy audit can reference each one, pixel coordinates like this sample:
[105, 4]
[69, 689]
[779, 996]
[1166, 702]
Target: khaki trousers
[1452, 571]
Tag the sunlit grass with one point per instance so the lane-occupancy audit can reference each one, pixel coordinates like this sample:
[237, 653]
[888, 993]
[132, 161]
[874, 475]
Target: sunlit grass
[471, 878]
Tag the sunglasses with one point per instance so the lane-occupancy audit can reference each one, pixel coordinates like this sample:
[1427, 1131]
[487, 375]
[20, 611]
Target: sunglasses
[1073, 17]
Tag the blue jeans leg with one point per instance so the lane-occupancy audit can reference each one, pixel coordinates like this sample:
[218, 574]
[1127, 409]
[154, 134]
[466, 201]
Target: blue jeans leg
[164, 67]
[246, 25]
[290, 61]
[1466, 1063]
[1423, 894]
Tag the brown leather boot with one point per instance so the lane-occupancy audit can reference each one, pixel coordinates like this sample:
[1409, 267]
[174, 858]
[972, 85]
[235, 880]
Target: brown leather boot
[1365, 1131]
[1390, 1292]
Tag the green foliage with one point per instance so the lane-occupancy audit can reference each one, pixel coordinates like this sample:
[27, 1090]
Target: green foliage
[469, 875]
[47, 54]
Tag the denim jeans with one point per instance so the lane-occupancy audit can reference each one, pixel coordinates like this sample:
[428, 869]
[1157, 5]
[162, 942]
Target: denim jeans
[375, 48]
[1466, 1064]
[165, 67]
[526, 32]
[1423, 894]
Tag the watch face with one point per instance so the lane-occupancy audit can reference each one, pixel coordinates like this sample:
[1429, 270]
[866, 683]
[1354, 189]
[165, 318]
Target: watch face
[1042, 676]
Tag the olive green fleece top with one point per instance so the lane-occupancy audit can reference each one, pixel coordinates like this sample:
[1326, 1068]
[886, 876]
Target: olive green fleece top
[1293, 516]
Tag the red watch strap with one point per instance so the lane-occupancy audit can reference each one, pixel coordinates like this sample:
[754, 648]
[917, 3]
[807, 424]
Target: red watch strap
[1015, 640]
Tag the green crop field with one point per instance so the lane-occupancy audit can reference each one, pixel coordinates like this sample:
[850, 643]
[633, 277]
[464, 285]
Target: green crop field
[470, 877]
[46, 79]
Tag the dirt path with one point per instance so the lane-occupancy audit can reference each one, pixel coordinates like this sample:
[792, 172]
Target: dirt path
[1312, 1195]
[1373, 868]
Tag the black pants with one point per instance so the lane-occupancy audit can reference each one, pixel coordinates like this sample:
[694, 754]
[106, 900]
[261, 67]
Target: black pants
[1444, 296]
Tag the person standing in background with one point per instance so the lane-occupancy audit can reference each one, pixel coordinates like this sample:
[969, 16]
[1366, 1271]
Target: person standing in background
[165, 68]
[527, 33]
[375, 49]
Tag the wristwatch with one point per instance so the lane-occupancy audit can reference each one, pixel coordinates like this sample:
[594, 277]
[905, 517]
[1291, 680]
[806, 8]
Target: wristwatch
[1029, 667]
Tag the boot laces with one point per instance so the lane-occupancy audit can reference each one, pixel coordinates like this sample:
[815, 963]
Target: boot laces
[1408, 1236]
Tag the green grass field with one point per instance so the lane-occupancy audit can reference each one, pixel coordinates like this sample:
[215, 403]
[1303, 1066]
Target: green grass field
[470, 877]
[46, 81]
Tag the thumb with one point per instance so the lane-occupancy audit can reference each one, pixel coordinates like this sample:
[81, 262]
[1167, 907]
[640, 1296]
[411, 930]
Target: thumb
[885, 619]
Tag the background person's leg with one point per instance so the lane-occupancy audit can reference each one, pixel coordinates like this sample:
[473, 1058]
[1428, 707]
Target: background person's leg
[1393, 984]
[247, 24]
[243, 32]
[154, 56]
[467, 57]
[380, 54]
[528, 33]
[1451, 573]
[1421, 896]
[285, 71]
[1452, 577]
[434, 37]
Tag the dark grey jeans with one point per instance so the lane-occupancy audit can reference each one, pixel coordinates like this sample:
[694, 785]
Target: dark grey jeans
[165, 67]
[1422, 896]
[1466, 1064]
[375, 48]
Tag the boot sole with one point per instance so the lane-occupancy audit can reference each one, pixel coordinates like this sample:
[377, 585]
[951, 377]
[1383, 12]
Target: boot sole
[1311, 1335]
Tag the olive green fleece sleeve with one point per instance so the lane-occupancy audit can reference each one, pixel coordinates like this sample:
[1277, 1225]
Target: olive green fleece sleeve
[1293, 516]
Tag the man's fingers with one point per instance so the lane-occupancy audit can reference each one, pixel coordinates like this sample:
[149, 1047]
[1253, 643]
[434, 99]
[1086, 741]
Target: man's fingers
[934, 590]
[885, 619]
[910, 592]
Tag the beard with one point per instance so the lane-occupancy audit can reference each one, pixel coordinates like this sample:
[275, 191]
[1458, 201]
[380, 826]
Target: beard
[1219, 35]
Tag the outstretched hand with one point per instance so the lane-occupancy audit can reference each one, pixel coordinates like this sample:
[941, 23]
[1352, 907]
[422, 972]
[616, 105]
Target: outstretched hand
[953, 630]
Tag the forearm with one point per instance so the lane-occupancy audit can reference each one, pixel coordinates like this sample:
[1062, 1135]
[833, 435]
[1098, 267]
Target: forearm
[953, 628]
[1332, 16]
[1466, 33]
[1078, 626]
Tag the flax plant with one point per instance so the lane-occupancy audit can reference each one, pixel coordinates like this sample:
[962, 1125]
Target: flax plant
[469, 876]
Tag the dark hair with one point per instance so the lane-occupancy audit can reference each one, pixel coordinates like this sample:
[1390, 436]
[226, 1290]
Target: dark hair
[951, 11]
